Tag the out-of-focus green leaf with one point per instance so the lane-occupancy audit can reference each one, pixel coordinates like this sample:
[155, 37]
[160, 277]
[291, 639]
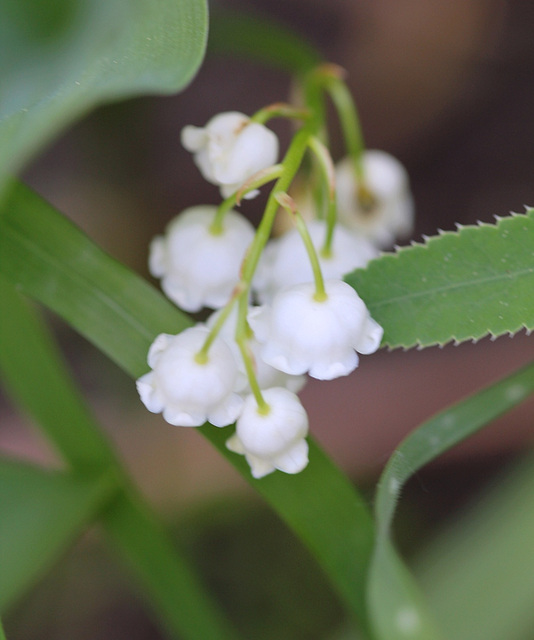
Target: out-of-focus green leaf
[458, 286]
[41, 513]
[478, 575]
[38, 379]
[49, 259]
[393, 607]
[260, 39]
[30, 368]
[166, 578]
[61, 58]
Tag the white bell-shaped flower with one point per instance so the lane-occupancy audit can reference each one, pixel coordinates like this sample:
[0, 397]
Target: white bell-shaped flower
[285, 261]
[199, 268]
[273, 440]
[230, 149]
[189, 392]
[300, 333]
[383, 209]
[266, 375]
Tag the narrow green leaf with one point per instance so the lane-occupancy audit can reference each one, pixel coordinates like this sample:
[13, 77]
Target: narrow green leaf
[30, 368]
[168, 581]
[62, 58]
[260, 39]
[2, 634]
[50, 260]
[478, 575]
[402, 610]
[458, 286]
[41, 514]
[38, 378]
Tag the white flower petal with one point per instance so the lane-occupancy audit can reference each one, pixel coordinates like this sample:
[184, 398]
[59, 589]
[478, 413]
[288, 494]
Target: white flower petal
[387, 181]
[189, 393]
[302, 334]
[230, 149]
[199, 268]
[273, 440]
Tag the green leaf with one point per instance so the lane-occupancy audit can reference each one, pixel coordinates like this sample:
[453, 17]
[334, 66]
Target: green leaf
[167, 579]
[50, 260]
[31, 369]
[478, 575]
[46, 257]
[430, 440]
[39, 380]
[41, 514]
[61, 58]
[456, 287]
[260, 39]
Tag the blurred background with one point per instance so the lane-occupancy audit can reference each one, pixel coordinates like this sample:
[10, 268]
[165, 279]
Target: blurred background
[447, 87]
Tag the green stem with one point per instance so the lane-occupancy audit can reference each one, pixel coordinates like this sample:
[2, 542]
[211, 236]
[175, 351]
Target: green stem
[327, 166]
[254, 182]
[320, 291]
[280, 110]
[350, 122]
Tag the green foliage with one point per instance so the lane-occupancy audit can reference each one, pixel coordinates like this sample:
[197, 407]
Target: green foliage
[60, 59]
[456, 287]
[42, 513]
[28, 360]
[392, 605]
[478, 574]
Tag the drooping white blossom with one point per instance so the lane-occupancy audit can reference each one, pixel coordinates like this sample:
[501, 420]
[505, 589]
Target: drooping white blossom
[384, 209]
[266, 375]
[188, 392]
[301, 334]
[272, 440]
[230, 149]
[285, 261]
[199, 268]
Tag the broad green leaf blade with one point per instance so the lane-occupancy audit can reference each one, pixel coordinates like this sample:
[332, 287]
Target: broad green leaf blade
[31, 369]
[166, 578]
[458, 286]
[262, 40]
[430, 440]
[49, 259]
[41, 514]
[478, 575]
[60, 59]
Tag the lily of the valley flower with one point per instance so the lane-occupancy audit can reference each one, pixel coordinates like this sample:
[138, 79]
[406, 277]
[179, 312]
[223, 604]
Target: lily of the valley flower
[230, 149]
[302, 334]
[381, 207]
[285, 261]
[200, 267]
[273, 439]
[188, 391]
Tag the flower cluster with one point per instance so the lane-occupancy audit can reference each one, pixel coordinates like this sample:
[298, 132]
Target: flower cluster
[281, 307]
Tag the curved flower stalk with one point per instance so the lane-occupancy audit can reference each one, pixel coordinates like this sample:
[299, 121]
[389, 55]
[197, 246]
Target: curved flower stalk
[199, 260]
[378, 204]
[230, 149]
[285, 261]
